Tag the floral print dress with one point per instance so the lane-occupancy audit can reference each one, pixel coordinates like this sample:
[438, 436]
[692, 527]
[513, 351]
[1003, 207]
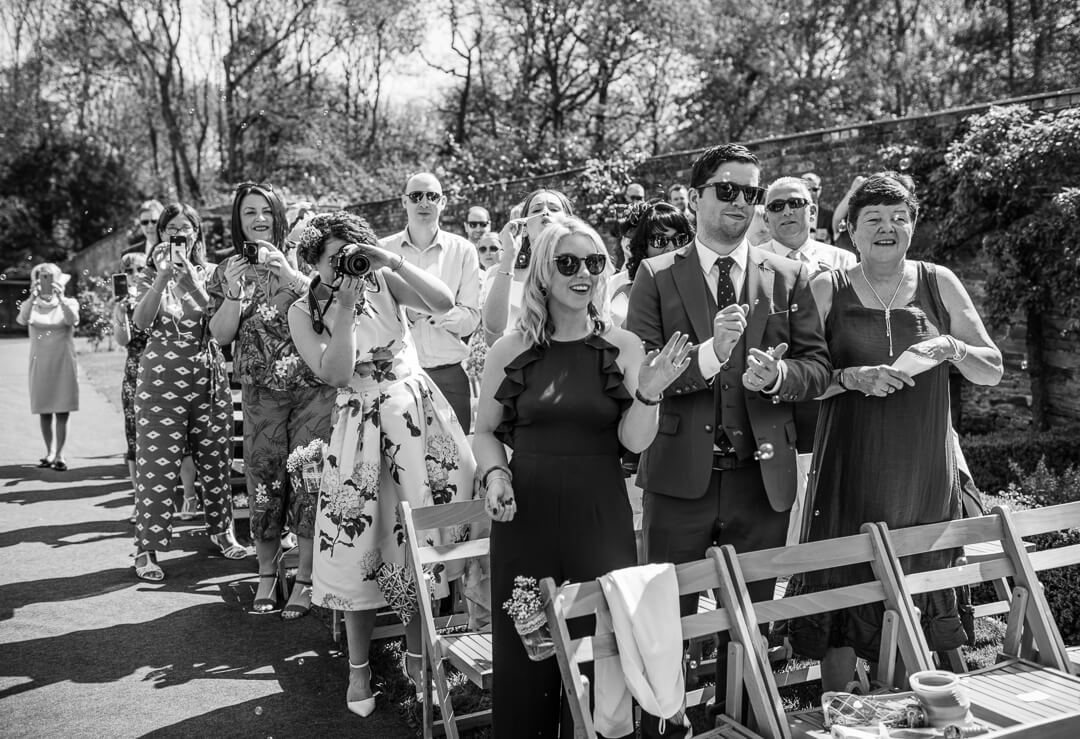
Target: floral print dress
[394, 438]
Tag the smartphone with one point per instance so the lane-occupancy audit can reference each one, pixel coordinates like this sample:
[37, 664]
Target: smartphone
[177, 249]
[120, 286]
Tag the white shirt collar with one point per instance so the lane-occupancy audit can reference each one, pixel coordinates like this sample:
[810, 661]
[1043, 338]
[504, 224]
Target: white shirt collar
[707, 257]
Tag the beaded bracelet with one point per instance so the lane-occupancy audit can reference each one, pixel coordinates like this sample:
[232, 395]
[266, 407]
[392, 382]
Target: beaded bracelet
[497, 468]
[647, 401]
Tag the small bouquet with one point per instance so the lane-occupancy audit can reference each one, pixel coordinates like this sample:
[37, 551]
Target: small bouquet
[305, 466]
[526, 608]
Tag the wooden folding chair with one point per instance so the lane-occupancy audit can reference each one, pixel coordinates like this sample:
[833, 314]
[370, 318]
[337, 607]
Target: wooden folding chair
[574, 600]
[470, 652]
[1042, 521]
[1015, 691]
[900, 633]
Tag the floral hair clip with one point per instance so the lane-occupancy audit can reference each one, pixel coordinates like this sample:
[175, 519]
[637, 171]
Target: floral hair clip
[308, 237]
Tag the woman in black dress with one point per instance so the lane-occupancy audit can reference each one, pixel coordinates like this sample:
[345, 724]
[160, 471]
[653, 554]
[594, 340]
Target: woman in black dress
[567, 393]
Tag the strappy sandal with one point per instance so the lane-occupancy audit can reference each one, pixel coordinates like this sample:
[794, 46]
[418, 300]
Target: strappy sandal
[189, 509]
[60, 466]
[149, 570]
[411, 679]
[263, 606]
[229, 549]
[45, 463]
[365, 706]
[291, 612]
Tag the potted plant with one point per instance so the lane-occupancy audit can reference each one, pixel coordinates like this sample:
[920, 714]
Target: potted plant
[526, 608]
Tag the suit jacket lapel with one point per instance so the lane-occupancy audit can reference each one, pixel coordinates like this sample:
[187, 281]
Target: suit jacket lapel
[759, 290]
[690, 282]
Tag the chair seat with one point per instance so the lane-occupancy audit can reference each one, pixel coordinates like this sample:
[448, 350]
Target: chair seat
[1074, 658]
[471, 655]
[727, 729]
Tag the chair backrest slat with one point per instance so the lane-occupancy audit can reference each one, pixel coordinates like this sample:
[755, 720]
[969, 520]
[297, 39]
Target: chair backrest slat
[820, 602]
[768, 564]
[455, 552]
[1050, 518]
[934, 537]
[448, 514]
[954, 577]
[1048, 559]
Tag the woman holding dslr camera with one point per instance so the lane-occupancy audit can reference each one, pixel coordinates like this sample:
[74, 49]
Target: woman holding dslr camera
[182, 397]
[54, 374]
[394, 435]
[285, 405]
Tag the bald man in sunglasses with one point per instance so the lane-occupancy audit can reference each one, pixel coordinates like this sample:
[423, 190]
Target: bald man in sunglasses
[722, 467]
[790, 214]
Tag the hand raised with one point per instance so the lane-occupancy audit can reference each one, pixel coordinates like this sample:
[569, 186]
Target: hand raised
[661, 367]
[762, 368]
[728, 326]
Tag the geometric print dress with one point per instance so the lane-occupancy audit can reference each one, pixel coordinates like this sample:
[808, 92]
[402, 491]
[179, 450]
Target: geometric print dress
[182, 406]
[394, 438]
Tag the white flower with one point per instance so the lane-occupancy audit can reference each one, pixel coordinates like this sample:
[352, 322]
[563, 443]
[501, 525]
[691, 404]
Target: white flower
[442, 448]
[285, 366]
[261, 497]
[267, 312]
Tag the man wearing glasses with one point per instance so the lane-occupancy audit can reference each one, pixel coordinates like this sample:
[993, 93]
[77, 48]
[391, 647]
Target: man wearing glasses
[441, 342]
[722, 467]
[477, 223]
[822, 225]
[145, 237]
[790, 214]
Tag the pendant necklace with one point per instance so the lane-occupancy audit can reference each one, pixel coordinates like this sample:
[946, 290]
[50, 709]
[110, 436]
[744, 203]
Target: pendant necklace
[888, 306]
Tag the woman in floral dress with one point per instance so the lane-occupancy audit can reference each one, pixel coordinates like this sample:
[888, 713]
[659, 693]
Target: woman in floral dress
[394, 435]
[285, 405]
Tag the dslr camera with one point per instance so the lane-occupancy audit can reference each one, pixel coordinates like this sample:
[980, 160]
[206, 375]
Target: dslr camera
[350, 262]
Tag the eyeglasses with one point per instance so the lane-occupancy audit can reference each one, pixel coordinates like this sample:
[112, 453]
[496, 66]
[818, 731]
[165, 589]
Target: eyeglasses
[728, 192]
[250, 183]
[470, 224]
[185, 229]
[635, 198]
[486, 249]
[674, 241]
[132, 270]
[417, 196]
[569, 264]
[778, 205]
[149, 222]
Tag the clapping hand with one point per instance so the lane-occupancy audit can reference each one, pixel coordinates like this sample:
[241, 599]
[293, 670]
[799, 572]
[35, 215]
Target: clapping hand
[661, 367]
[762, 368]
[728, 326]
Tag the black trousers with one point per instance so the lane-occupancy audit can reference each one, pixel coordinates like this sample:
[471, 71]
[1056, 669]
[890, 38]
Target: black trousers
[454, 384]
[734, 510]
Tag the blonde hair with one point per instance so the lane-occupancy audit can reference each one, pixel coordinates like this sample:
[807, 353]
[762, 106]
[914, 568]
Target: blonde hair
[535, 323]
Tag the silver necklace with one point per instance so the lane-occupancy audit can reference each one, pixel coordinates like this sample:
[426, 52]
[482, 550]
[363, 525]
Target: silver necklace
[886, 306]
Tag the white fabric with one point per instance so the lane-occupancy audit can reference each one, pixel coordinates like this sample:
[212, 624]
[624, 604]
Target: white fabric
[795, 520]
[644, 606]
[816, 255]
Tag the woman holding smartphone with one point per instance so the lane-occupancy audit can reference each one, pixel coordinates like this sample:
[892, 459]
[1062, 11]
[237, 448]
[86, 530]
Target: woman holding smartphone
[285, 404]
[54, 375]
[505, 283]
[182, 398]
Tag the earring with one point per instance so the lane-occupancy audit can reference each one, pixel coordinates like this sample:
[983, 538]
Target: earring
[543, 291]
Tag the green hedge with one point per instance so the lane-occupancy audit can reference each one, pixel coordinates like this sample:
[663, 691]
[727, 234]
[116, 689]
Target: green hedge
[998, 459]
[1044, 487]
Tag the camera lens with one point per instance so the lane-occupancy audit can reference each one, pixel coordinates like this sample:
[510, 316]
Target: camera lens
[352, 262]
[250, 251]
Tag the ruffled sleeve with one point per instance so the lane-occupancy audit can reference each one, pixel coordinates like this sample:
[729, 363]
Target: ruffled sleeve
[513, 385]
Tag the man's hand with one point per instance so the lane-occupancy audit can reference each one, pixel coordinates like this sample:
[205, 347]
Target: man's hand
[762, 368]
[728, 327]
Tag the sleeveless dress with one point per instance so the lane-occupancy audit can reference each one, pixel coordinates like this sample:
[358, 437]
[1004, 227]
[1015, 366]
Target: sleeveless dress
[561, 409]
[394, 438]
[136, 344]
[885, 459]
[54, 371]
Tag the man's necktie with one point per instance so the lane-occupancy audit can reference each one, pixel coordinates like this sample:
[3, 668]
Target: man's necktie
[725, 291]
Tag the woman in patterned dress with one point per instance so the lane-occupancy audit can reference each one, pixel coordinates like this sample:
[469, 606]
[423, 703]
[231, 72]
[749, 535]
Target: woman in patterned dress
[182, 398]
[394, 435]
[285, 405]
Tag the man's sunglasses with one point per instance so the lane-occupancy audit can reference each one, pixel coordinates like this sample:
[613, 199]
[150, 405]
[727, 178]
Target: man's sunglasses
[476, 224]
[673, 241]
[569, 264]
[777, 206]
[417, 196]
[728, 192]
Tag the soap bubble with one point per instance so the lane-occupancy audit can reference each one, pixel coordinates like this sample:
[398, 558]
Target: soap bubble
[905, 163]
[1023, 364]
[258, 710]
[765, 451]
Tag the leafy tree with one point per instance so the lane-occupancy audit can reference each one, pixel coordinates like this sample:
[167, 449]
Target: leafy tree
[1013, 193]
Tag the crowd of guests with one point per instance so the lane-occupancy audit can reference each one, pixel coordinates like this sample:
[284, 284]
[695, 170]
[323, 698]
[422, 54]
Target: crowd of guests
[752, 365]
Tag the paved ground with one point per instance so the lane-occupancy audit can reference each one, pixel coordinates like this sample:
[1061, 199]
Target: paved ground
[86, 649]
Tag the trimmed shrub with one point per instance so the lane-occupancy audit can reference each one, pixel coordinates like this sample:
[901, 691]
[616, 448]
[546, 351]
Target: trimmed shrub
[1002, 458]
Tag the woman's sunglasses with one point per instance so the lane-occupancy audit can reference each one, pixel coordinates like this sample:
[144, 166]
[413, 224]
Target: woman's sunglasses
[728, 192]
[486, 249]
[673, 241]
[569, 264]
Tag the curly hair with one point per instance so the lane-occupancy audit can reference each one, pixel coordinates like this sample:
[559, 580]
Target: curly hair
[277, 209]
[657, 217]
[535, 322]
[884, 188]
[197, 250]
[340, 224]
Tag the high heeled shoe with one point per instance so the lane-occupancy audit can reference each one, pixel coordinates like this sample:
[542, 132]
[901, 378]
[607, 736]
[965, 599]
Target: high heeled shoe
[405, 670]
[263, 606]
[291, 611]
[189, 509]
[365, 706]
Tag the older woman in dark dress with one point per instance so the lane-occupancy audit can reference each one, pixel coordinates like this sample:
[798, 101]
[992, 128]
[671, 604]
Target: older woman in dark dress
[867, 464]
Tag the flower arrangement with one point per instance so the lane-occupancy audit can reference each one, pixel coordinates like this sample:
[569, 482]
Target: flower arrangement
[304, 466]
[526, 608]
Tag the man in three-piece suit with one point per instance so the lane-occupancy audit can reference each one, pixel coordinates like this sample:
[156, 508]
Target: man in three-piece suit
[722, 467]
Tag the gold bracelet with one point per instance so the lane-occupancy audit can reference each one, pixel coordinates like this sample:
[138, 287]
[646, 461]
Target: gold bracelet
[400, 263]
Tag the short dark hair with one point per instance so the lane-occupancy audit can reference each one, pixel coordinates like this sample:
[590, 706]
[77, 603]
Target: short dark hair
[656, 216]
[884, 188]
[342, 224]
[712, 158]
[277, 209]
[675, 187]
[172, 210]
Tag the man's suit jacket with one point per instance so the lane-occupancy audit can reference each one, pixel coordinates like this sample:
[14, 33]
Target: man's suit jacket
[670, 294]
[820, 256]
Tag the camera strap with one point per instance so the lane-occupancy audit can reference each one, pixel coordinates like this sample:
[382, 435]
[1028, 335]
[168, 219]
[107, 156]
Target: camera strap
[317, 316]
